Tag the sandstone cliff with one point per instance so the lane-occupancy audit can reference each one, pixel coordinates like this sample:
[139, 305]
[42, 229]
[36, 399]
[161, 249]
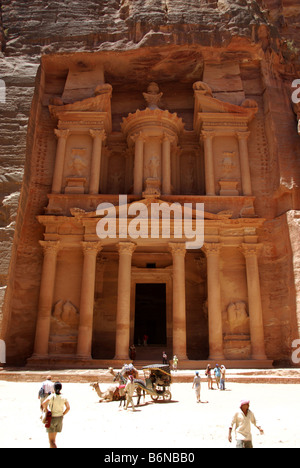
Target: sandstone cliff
[194, 36]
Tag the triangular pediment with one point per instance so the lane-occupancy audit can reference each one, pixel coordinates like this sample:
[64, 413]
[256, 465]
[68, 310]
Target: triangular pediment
[132, 210]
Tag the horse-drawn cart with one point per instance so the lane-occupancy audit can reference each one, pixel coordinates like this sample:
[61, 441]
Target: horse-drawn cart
[158, 381]
[156, 384]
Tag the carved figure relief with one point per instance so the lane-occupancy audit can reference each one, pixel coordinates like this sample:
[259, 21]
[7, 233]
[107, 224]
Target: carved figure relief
[229, 162]
[67, 314]
[154, 168]
[237, 317]
[153, 96]
[77, 165]
[116, 173]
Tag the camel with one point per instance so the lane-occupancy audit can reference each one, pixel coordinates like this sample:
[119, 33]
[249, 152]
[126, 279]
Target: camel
[122, 377]
[113, 393]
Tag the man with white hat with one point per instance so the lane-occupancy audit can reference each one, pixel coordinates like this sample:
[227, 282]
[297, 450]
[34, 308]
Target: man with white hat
[242, 421]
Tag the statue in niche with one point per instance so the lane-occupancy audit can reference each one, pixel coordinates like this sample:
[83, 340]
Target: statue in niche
[153, 96]
[115, 182]
[78, 164]
[237, 317]
[154, 168]
[228, 162]
[66, 313]
[190, 178]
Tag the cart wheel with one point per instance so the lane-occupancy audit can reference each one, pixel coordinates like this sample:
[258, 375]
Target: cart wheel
[155, 397]
[167, 395]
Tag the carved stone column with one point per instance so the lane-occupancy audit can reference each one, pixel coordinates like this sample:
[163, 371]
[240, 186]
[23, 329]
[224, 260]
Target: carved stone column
[208, 137]
[251, 252]
[179, 300]
[42, 333]
[139, 164]
[166, 166]
[126, 250]
[215, 325]
[62, 136]
[85, 329]
[244, 161]
[98, 137]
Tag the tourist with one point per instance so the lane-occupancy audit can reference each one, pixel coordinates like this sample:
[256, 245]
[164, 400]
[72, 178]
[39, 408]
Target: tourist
[223, 375]
[59, 407]
[145, 339]
[217, 373]
[175, 363]
[209, 377]
[197, 386]
[132, 352]
[46, 390]
[165, 357]
[242, 421]
[129, 391]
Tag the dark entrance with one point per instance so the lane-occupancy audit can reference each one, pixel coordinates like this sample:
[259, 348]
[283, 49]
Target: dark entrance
[151, 314]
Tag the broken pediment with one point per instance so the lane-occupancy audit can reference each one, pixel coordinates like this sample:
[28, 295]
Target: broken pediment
[213, 113]
[90, 111]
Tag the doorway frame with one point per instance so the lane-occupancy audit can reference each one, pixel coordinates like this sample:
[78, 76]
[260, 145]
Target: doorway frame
[153, 276]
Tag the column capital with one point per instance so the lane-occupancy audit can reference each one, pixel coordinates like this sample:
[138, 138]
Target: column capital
[62, 133]
[170, 138]
[98, 134]
[126, 248]
[251, 250]
[212, 248]
[50, 246]
[177, 248]
[91, 247]
[243, 135]
[138, 136]
[208, 134]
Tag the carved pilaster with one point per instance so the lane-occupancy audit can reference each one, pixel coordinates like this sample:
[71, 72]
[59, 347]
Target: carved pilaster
[215, 324]
[51, 249]
[62, 136]
[85, 329]
[179, 300]
[207, 137]
[251, 253]
[126, 250]
[244, 161]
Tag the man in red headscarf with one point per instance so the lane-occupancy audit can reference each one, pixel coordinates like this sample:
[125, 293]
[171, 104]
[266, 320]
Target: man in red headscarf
[242, 421]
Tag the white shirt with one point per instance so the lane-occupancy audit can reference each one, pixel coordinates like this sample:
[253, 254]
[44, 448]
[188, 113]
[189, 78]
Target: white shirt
[242, 425]
[48, 387]
[57, 405]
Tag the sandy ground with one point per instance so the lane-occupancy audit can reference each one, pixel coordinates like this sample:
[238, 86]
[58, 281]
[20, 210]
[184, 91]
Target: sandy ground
[181, 423]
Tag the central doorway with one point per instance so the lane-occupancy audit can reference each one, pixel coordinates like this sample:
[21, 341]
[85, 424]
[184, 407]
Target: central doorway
[151, 314]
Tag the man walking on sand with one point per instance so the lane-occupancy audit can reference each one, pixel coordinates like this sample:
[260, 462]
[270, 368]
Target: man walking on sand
[129, 391]
[197, 386]
[242, 421]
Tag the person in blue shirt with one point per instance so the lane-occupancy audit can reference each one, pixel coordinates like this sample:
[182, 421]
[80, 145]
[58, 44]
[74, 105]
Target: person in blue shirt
[217, 372]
